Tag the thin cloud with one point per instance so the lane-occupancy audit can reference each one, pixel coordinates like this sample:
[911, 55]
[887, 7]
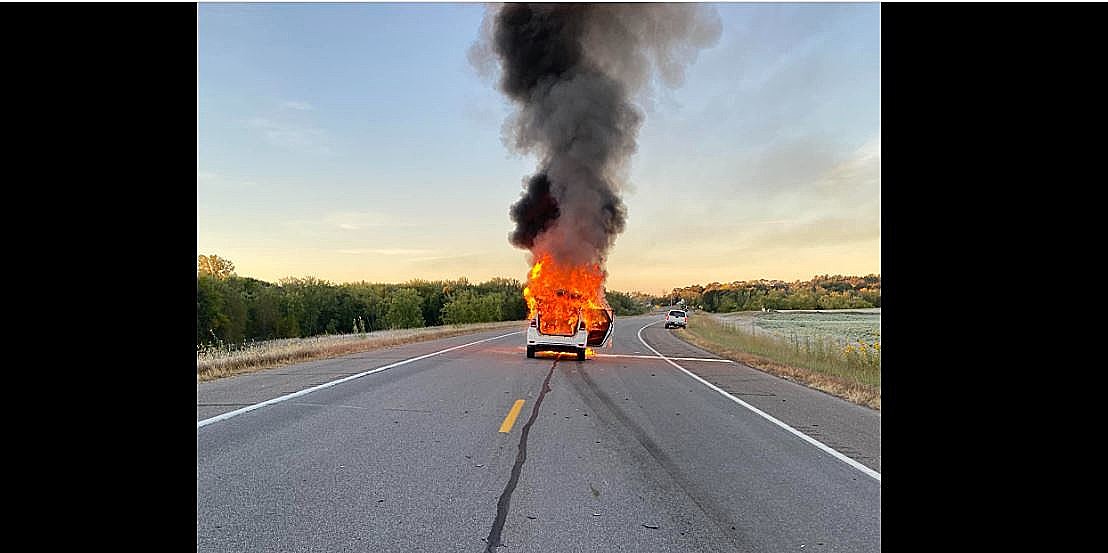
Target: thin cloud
[775, 222]
[860, 172]
[824, 231]
[218, 180]
[440, 258]
[361, 220]
[342, 224]
[302, 106]
[386, 251]
[291, 136]
[793, 163]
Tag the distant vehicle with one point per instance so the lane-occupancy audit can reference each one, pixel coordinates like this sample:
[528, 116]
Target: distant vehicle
[572, 336]
[677, 317]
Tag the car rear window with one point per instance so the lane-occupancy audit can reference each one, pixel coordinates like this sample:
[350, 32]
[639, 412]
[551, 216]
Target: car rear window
[676, 313]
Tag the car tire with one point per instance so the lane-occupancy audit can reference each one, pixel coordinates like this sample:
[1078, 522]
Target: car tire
[530, 352]
[581, 355]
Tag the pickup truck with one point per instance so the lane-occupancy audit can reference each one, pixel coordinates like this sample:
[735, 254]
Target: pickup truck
[581, 332]
[677, 318]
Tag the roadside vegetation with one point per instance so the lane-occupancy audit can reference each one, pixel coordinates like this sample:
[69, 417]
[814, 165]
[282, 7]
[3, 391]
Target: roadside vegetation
[822, 292]
[625, 305]
[238, 310]
[244, 324]
[221, 360]
[850, 369]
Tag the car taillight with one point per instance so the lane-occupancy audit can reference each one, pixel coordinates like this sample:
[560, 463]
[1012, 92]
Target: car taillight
[581, 326]
[534, 324]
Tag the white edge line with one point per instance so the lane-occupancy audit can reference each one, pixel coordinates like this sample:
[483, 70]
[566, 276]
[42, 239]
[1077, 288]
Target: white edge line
[655, 357]
[827, 449]
[236, 412]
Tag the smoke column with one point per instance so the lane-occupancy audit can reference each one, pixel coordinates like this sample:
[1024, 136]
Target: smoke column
[573, 71]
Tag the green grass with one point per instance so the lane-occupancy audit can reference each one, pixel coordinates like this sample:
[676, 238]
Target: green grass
[822, 360]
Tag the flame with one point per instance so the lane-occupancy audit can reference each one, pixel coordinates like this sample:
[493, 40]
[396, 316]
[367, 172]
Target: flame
[561, 293]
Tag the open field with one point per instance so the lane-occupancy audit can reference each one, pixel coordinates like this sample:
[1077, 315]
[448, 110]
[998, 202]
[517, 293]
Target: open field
[845, 326]
[838, 352]
[219, 362]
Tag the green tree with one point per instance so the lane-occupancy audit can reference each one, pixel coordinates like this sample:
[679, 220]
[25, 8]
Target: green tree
[512, 305]
[623, 304]
[209, 309]
[490, 308]
[468, 307]
[221, 309]
[404, 309]
[263, 309]
[727, 303]
[776, 299]
[215, 266]
[235, 302]
[291, 308]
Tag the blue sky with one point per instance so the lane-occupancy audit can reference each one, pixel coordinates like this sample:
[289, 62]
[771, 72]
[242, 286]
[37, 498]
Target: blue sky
[356, 142]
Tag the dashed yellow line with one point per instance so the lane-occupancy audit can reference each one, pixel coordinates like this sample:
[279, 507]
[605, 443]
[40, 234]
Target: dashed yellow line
[509, 420]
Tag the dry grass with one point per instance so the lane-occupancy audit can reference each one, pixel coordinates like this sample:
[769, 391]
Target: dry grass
[213, 363]
[853, 374]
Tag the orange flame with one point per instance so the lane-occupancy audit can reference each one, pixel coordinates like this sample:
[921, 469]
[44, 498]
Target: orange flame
[559, 293]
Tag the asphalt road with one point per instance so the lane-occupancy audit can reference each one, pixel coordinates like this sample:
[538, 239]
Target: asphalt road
[621, 452]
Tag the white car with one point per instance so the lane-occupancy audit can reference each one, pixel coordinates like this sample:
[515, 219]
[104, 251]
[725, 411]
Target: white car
[576, 339]
[676, 318]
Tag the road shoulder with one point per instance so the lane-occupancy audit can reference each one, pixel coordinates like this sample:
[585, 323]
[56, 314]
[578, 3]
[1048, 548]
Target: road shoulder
[850, 429]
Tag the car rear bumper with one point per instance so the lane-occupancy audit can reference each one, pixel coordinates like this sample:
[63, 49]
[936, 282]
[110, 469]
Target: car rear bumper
[557, 347]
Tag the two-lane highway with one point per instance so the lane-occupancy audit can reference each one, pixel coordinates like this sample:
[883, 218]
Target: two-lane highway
[622, 452]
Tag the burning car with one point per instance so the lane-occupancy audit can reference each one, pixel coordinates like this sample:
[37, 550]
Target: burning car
[568, 312]
[587, 328]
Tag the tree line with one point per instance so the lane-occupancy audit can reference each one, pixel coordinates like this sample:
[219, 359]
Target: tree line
[821, 292]
[231, 309]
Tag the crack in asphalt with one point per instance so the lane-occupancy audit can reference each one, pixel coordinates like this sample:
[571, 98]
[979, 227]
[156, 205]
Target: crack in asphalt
[493, 540]
[604, 407]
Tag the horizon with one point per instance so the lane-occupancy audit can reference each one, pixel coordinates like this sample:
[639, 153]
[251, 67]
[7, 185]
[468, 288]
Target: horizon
[522, 281]
[356, 143]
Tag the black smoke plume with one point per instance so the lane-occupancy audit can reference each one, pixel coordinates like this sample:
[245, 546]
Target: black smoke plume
[573, 72]
[534, 212]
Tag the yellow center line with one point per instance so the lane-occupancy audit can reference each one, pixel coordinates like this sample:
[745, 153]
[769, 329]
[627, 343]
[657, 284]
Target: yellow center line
[509, 420]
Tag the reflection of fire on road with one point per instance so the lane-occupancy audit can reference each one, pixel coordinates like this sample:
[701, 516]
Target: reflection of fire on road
[589, 354]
